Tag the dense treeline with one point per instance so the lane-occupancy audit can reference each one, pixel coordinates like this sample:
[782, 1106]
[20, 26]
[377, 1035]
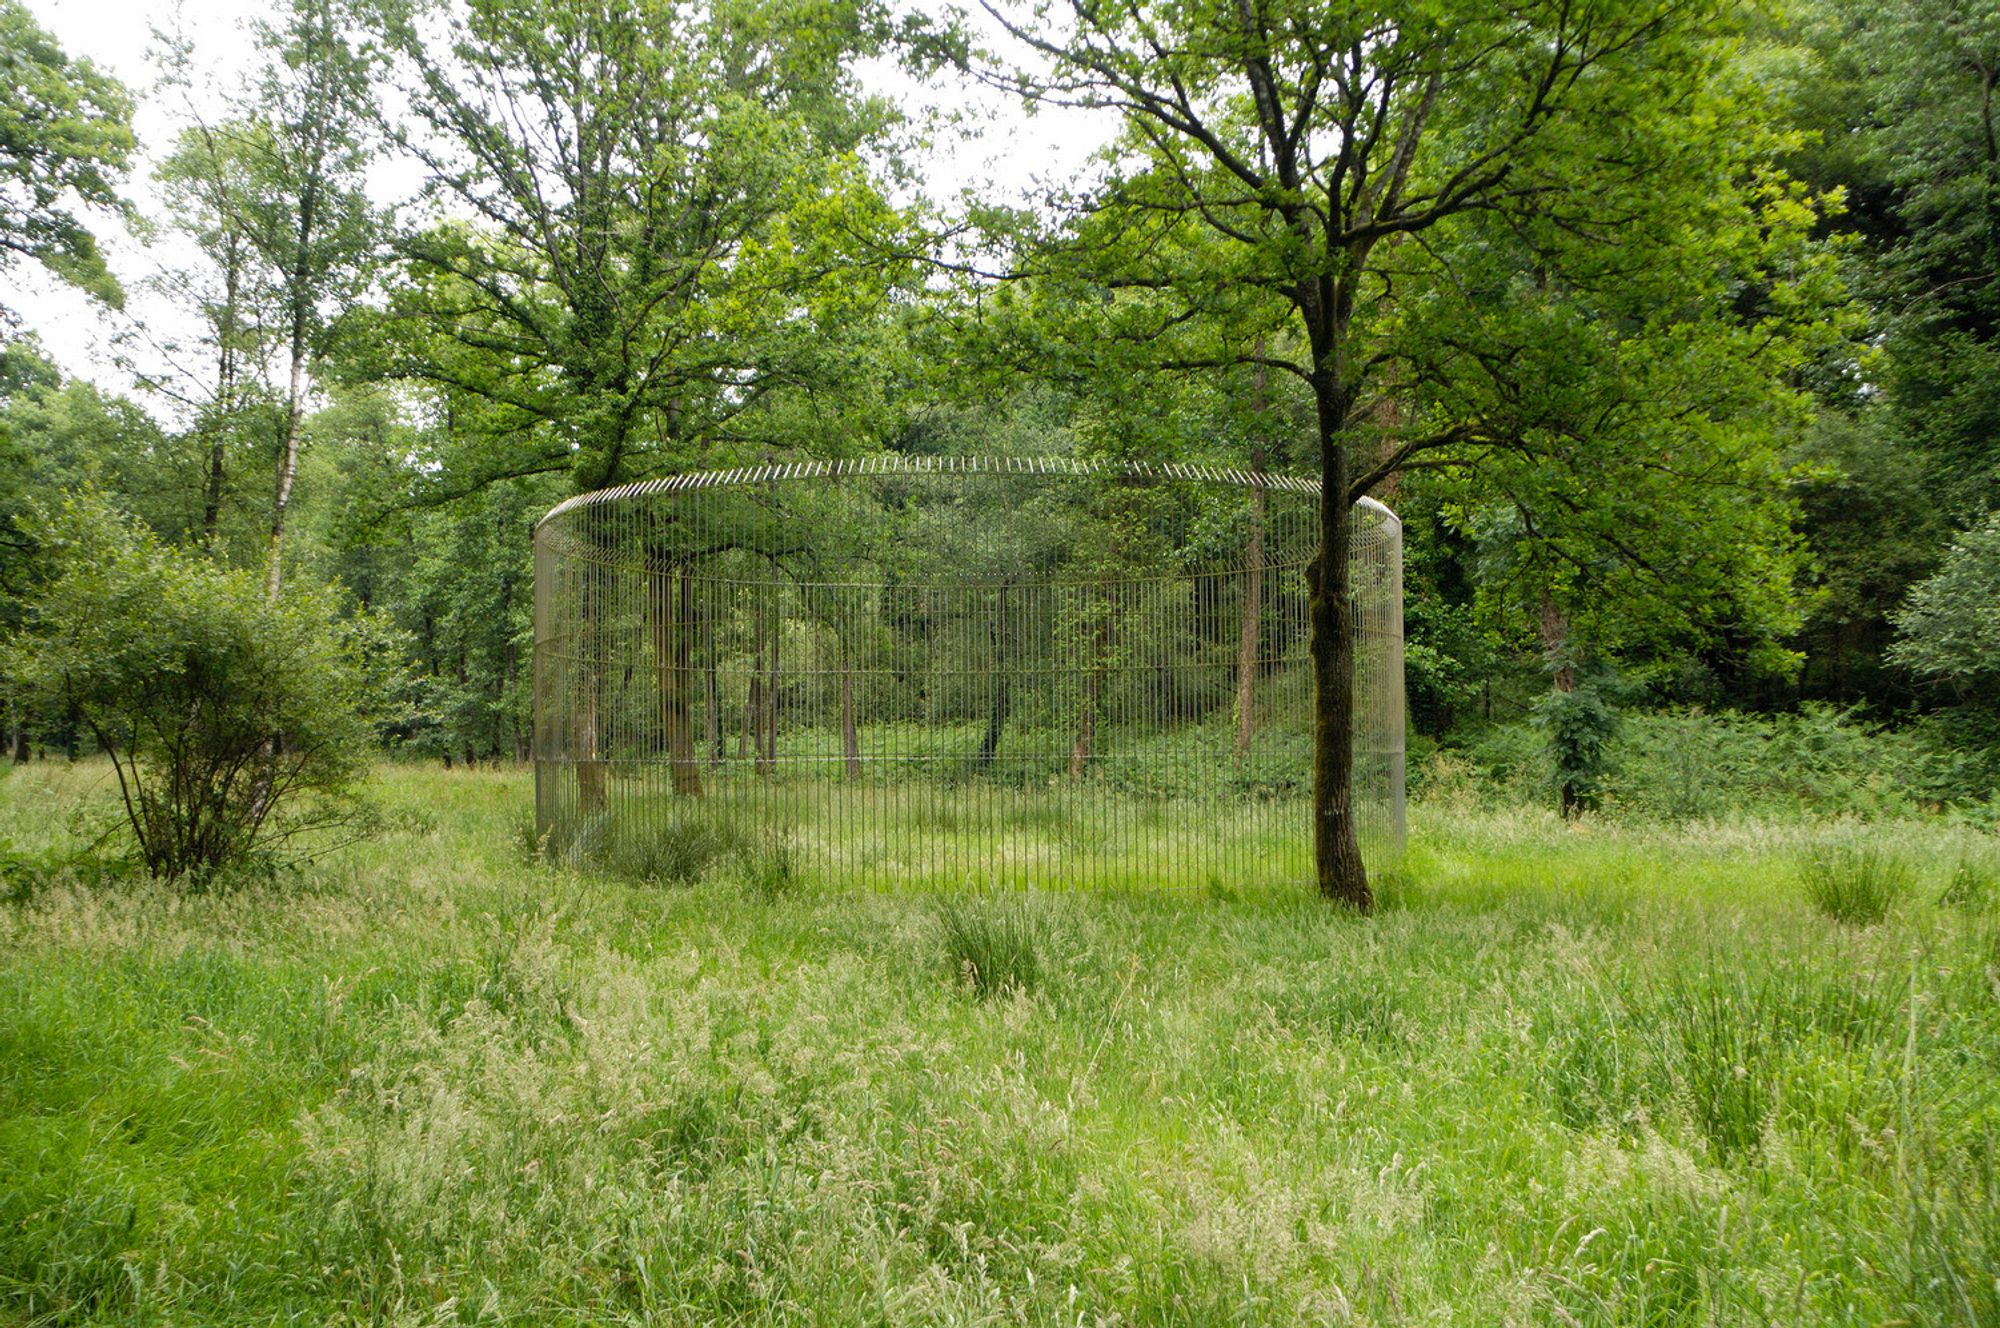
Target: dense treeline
[1671, 330]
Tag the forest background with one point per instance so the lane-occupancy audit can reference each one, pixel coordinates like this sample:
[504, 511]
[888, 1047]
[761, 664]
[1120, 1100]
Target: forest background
[1705, 524]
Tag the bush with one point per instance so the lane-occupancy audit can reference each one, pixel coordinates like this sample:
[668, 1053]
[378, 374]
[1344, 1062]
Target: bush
[1580, 727]
[1853, 885]
[770, 869]
[233, 722]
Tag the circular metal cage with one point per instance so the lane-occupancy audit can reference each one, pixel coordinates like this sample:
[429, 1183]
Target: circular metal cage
[1012, 671]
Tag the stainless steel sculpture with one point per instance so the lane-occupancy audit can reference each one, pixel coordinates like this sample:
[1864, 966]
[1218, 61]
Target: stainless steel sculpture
[1013, 671]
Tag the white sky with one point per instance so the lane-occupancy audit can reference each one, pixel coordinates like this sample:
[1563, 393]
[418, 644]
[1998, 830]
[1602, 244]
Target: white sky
[1013, 153]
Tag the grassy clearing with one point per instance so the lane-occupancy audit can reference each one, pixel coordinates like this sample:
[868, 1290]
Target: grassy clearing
[1567, 1075]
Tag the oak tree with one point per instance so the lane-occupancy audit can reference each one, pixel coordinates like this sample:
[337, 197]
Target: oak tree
[1293, 176]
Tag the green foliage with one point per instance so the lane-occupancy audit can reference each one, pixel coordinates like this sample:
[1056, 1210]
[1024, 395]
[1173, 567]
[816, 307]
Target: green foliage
[458, 580]
[65, 138]
[678, 220]
[1580, 725]
[61, 437]
[1689, 764]
[1902, 97]
[1854, 885]
[1867, 499]
[683, 846]
[1950, 626]
[1899, 101]
[233, 722]
[676, 853]
[769, 867]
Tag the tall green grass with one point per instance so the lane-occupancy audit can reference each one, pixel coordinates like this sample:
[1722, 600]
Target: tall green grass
[1569, 1074]
[993, 943]
[1857, 885]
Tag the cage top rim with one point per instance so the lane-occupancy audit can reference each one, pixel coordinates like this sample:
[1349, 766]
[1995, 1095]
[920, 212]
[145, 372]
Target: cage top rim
[896, 463]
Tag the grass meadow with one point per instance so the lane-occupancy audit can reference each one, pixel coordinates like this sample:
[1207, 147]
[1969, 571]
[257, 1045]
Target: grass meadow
[1719, 1072]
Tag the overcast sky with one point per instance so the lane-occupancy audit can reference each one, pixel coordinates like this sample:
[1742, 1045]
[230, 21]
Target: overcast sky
[1009, 156]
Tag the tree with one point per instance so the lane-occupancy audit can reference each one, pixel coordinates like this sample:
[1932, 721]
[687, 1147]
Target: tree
[1644, 396]
[61, 437]
[654, 219]
[1900, 100]
[232, 720]
[65, 139]
[210, 183]
[1295, 181]
[301, 150]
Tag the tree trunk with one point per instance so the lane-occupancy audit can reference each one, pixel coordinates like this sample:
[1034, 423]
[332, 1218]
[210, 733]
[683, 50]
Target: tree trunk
[711, 688]
[300, 296]
[1085, 745]
[996, 715]
[667, 603]
[996, 723]
[850, 738]
[288, 469]
[1253, 612]
[769, 736]
[1342, 874]
[1555, 636]
[751, 741]
[300, 300]
[509, 682]
[589, 761]
[586, 677]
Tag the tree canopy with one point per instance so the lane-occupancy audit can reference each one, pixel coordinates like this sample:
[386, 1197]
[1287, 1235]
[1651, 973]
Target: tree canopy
[65, 145]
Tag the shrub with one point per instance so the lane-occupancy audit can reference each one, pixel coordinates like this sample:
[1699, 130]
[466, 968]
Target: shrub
[233, 722]
[1507, 763]
[1853, 885]
[1580, 727]
[1688, 763]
